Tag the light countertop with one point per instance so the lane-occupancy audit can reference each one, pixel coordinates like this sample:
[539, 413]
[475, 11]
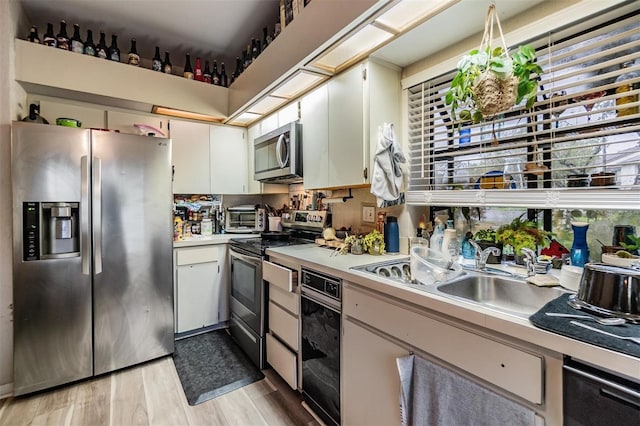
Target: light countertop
[322, 260]
[201, 240]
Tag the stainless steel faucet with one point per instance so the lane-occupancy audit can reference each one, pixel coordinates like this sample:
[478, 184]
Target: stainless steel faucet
[481, 256]
[529, 260]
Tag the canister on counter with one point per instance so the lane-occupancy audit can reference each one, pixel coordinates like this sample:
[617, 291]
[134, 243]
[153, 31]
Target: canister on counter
[206, 227]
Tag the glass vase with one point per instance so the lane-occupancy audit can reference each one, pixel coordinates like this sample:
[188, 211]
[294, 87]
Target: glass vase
[579, 249]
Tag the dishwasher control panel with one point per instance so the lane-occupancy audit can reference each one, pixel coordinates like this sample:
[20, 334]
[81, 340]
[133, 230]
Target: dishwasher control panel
[325, 284]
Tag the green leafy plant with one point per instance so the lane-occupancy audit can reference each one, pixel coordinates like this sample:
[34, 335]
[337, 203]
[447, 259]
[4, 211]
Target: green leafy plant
[523, 233]
[522, 64]
[372, 240]
[488, 235]
[634, 246]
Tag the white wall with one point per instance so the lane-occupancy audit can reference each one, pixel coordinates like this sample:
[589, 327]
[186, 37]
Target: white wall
[12, 105]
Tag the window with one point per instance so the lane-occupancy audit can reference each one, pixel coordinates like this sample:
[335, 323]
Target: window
[578, 147]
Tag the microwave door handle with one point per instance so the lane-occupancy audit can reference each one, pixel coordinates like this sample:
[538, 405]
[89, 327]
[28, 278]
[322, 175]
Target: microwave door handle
[282, 140]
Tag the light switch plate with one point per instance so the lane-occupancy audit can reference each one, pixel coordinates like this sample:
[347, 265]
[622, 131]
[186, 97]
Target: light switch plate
[368, 213]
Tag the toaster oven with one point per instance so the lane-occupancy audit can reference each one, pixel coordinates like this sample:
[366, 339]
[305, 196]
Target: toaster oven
[245, 219]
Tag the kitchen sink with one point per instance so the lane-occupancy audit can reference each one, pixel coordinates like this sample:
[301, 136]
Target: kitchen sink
[503, 294]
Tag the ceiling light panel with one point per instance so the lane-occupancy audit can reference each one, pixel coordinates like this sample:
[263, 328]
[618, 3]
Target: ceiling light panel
[245, 118]
[409, 12]
[266, 104]
[359, 43]
[297, 84]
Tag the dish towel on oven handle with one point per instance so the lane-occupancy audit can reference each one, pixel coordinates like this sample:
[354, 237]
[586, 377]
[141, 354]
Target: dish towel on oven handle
[388, 174]
[435, 395]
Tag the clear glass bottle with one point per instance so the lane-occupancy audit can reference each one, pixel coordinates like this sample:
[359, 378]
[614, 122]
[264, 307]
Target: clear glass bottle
[624, 85]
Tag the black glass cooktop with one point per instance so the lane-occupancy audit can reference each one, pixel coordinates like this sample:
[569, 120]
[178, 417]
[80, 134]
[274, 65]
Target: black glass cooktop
[258, 246]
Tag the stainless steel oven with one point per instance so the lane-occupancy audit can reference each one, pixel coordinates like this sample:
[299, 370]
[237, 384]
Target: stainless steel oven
[246, 323]
[321, 331]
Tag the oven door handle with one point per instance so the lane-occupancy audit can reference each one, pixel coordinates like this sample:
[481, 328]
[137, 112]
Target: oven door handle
[250, 259]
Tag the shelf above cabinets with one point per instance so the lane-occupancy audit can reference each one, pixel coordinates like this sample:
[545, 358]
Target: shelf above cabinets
[53, 72]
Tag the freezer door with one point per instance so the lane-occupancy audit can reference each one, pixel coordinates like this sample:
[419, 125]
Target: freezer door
[52, 297]
[132, 237]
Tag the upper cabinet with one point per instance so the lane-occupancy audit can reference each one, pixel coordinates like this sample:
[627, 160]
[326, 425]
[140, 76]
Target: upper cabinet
[340, 123]
[228, 154]
[190, 157]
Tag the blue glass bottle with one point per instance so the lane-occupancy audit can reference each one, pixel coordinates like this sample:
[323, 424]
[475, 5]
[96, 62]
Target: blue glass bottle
[579, 249]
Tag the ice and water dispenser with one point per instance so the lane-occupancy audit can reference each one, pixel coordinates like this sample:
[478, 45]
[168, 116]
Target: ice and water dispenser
[51, 230]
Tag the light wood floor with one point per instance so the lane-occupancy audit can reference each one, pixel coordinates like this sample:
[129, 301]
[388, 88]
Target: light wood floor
[151, 394]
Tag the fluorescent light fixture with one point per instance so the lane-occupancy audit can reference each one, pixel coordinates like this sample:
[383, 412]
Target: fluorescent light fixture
[245, 118]
[353, 47]
[298, 83]
[185, 114]
[407, 13]
[266, 104]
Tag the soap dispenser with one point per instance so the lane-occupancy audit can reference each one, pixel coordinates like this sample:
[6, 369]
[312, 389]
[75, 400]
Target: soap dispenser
[438, 234]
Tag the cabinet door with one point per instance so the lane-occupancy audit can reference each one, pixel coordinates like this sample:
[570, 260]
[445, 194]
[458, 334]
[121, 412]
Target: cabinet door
[314, 109]
[370, 381]
[198, 296]
[89, 117]
[253, 186]
[288, 114]
[190, 157]
[228, 160]
[124, 122]
[346, 129]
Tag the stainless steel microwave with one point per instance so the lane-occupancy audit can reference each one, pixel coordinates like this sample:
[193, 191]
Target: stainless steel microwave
[278, 155]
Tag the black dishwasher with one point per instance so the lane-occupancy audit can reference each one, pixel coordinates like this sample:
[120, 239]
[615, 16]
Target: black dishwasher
[592, 397]
[321, 329]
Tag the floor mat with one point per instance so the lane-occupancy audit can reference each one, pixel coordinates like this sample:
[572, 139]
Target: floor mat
[212, 364]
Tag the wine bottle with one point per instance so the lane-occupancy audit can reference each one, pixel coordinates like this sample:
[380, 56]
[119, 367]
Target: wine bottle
[49, 39]
[89, 47]
[132, 57]
[101, 48]
[62, 37]
[77, 45]
[166, 64]
[113, 52]
[238, 70]
[247, 61]
[197, 73]
[215, 75]
[224, 80]
[266, 38]
[206, 76]
[188, 71]
[156, 62]
[255, 49]
[33, 35]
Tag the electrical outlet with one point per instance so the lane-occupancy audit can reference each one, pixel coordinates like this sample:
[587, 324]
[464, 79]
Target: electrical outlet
[368, 213]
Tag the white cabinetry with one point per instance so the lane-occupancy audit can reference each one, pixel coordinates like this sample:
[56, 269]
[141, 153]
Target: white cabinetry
[371, 384]
[86, 114]
[199, 289]
[124, 121]
[351, 108]
[190, 157]
[284, 321]
[228, 160]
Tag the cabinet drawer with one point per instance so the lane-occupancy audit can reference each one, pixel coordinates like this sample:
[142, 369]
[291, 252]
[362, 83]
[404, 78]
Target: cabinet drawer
[190, 256]
[507, 367]
[289, 301]
[283, 278]
[284, 325]
[282, 360]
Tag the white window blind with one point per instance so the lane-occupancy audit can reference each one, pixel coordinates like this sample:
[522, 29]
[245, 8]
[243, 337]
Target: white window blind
[581, 135]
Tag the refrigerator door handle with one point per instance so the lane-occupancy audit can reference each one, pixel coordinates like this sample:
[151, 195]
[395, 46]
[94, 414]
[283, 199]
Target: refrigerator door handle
[97, 215]
[84, 215]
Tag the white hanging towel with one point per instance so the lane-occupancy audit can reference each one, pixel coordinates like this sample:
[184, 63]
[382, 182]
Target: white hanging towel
[387, 173]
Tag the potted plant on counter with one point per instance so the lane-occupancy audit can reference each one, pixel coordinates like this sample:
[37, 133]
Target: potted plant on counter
[373, 242]
[522, 233]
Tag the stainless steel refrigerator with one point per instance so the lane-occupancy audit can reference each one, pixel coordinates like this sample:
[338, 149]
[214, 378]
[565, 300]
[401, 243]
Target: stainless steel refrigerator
[92, 253]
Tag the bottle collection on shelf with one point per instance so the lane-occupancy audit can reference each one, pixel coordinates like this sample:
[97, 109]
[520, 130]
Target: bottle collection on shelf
[209, 75]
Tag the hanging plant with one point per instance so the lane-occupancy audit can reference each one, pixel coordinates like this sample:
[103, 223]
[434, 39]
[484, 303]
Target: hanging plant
[489, 81]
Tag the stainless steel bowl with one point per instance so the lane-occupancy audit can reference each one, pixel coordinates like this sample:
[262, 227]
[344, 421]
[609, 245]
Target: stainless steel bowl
[610, 290]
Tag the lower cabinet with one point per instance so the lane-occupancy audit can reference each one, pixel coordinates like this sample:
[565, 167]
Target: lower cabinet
[199, 289]
[371, 384]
